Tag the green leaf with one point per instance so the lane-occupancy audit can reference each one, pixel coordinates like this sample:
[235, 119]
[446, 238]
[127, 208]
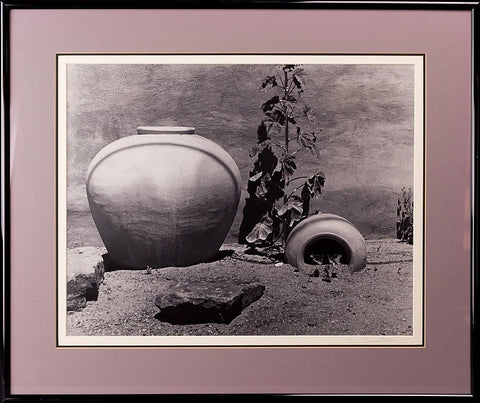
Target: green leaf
[307, 113]
[306, 140]
[289, 106]
[314, 184]
[294, 217]
[256, 177]
[299, 72]
[261, 231]
[289, 164]
[259, 147]
[270, 104]
[278, 167]
[274, 121]
[269, 82]
[292, 210]
[275, 116]
[273, 127]
[262, 187]
[297, 80]
[294, 203]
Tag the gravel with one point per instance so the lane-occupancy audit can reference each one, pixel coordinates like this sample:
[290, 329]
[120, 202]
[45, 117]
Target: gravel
[375, 301]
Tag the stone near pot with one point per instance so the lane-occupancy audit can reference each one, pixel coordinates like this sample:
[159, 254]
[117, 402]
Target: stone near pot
[85, 273]
[325, 234]
[164, 197]
[206, 301]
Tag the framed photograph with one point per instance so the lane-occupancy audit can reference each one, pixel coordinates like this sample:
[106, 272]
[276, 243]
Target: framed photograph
[239, 198]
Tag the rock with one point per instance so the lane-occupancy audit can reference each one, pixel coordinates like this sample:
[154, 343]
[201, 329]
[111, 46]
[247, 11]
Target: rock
[205, 301]
[85, 271]
[76, 302]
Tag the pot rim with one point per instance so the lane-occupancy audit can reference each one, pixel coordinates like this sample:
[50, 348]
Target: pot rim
[165, 130]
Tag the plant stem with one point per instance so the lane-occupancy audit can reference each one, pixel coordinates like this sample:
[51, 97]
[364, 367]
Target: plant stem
[293, 191]
[286, 115]
[285, 198]
[294, 179]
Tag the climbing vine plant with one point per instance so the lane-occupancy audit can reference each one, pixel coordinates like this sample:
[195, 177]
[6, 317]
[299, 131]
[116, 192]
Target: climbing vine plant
[278, 198]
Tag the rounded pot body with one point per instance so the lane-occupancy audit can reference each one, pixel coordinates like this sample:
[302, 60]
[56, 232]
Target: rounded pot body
[165, 197]
[326, 231]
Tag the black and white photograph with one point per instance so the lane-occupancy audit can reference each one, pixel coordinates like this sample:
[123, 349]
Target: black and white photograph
[240, 199]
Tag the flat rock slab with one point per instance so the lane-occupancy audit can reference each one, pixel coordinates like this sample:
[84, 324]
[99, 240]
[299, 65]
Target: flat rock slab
[85, 272]
[205, 301]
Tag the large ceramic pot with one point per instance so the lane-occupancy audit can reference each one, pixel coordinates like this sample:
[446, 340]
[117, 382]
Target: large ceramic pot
[322, 234]
[164, 197]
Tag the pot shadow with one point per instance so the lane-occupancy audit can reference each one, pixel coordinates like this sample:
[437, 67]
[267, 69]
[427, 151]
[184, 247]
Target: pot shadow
[189, 314]
[110, 265]
[220, 255]
[274, 256]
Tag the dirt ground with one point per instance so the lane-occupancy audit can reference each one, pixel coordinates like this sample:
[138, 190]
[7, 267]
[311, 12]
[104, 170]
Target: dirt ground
[375, 301]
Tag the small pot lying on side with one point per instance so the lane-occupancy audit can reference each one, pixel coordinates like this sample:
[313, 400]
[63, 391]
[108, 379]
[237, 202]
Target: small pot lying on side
[324, 234]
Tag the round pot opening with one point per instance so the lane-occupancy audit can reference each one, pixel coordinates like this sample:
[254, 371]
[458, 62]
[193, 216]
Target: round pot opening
[320, 250]
[165, 130]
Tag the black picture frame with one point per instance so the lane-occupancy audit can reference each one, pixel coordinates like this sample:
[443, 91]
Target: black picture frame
[7, 6]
